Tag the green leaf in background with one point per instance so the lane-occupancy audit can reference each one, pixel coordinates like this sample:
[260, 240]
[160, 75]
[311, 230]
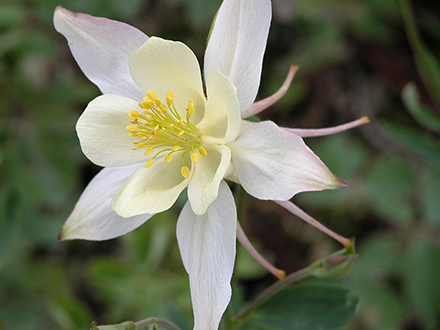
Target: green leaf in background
[305, 307]
[422, 144]
[431, 197]
[420, 266]
[376, 268]
[389, 187]
[421, 113]
[427, 64]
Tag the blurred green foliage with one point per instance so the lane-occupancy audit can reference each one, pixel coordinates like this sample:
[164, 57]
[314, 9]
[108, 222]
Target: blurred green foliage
[355, 60]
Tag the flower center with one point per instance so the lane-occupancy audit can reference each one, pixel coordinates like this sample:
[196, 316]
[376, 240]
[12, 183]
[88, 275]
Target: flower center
[163, 132]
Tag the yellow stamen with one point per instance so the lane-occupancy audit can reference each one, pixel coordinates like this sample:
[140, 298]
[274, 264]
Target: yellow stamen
[161, 129]
[203, 151]
[149, 163]
[194, 157]
[191, 107]
[134, 114]
[185, 172]
[170, 98]
[152, 95]
[148, 103]
[132, 128]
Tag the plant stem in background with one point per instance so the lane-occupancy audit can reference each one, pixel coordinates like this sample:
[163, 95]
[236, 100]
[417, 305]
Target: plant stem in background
[424, 60]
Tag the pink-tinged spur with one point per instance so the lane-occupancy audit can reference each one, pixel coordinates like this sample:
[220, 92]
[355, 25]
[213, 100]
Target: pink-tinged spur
[156, 132]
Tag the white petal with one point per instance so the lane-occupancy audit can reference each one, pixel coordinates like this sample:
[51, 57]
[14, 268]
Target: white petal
[92, 217]
[101, 48]
[222, 120]
[273, 164]
[208, 173]
[237, 44]
[150, 190]
[103, 135]
[169, 66]
[207, 246]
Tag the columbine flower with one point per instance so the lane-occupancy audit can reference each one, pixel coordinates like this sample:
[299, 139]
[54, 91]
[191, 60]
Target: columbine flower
[156, 133]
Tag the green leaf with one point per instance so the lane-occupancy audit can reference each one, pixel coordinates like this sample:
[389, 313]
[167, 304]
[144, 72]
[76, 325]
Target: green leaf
[422, 144]
[128, 325]
[421, 113]
[305, 307]
[390, 184]
[427, 64]
[421, 263]
[431, 197]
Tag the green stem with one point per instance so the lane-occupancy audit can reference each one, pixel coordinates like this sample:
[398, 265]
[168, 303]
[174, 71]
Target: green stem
[150, 322]
[418, 49]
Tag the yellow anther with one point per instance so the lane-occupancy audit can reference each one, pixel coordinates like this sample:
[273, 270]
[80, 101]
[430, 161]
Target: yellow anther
[168, 158]
[170, 98]
[181, 121]
[152, 95]
[203, 151]
[175, 148]
[152, 137]
[135, 142]
[134, 114]
[132, 128]
[163, 108]
[141, 105]
[149, 163]
[185, 172]
[194, 157]
[144, 138]
[180, 133]
[158, 103]
[191, 107]
[148, 103]
[149, 151]
[156, 128]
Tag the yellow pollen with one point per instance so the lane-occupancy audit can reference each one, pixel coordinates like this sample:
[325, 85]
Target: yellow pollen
[164, 130]
[185, 172]
[149, 163]
[134, 114]
[194, 157]
[148, 104]
[191, 107]
[152, 95]
[203, 151]
[170, 98]
[132, 128]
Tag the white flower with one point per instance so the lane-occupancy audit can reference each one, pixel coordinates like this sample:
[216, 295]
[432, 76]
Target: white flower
[156, 133]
